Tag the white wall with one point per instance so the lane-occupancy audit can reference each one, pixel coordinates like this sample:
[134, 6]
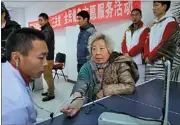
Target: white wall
[18, 15]
[71, 39]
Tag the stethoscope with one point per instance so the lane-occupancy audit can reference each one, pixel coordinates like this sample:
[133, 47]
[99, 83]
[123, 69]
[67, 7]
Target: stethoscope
[28, 88]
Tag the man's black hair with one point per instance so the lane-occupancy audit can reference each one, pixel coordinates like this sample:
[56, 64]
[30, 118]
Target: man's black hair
[44, 16]
[137, 9]
[21, 41]
[167, 3]
[84, 14]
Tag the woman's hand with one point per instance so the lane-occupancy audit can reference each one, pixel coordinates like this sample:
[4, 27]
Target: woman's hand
[70, 110]
[100, 94]
[109, 90]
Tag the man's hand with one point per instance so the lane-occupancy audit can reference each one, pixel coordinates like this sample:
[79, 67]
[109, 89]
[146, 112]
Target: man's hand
[147, 60]
[126, 54]
[100, 94]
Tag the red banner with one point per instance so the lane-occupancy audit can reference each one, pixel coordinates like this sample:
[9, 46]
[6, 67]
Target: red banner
[100, 11]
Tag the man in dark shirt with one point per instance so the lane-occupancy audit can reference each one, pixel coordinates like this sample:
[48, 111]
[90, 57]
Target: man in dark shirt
[49, 38]
[86, 30]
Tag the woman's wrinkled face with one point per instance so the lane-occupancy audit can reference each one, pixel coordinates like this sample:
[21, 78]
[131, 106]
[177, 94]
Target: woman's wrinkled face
[100, 52]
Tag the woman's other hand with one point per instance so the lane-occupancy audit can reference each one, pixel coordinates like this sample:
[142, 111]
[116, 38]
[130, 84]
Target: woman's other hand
[100, 94]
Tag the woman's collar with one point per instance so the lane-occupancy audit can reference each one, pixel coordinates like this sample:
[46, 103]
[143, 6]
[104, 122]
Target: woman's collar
[95, 66]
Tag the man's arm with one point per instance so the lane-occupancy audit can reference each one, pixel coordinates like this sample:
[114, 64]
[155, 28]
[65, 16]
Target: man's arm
[169, 30]
[91, 30]
[47, 35]
[123, 44]
[18, 116]
[140, 46]
[146, 47]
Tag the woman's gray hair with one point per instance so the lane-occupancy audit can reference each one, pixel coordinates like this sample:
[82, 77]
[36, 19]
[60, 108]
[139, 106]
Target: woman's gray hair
[98, 36]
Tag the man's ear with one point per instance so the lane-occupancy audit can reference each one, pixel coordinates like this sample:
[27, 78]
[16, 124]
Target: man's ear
[15, 56]
[86, 19]
[165, 6]
[46, 20]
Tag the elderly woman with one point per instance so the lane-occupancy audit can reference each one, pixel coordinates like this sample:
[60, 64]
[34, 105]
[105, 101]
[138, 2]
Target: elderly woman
[107, 73]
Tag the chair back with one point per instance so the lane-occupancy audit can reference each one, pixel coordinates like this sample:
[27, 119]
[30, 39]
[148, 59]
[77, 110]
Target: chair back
[60, 58]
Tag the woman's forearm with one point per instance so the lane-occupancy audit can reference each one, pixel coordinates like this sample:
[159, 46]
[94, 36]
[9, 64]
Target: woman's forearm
[79, 100]
[116, 89]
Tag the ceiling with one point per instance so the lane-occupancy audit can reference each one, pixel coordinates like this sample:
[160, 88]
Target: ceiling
[26, 3]
[17, 4]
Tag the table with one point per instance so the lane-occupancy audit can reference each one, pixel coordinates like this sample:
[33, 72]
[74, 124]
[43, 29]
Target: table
[147, 101]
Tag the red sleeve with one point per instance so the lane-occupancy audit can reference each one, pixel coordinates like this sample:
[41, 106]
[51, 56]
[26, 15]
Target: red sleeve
[140, 46]
[124, 47]
[169, 30]
[146, 47]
